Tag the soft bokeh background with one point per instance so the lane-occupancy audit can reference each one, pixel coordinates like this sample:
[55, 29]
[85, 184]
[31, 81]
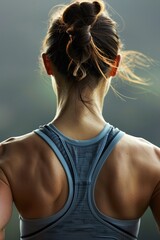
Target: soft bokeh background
[26, 98]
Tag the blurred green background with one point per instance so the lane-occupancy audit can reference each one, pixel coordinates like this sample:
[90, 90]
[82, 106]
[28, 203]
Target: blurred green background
[26, 98]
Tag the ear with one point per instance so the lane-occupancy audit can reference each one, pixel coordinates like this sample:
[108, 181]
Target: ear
[47, 64]
[114, 69]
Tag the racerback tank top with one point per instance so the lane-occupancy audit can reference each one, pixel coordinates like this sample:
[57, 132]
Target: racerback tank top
[80, 219]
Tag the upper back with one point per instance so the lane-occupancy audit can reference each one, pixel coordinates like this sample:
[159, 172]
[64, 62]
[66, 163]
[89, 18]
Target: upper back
[39, 183]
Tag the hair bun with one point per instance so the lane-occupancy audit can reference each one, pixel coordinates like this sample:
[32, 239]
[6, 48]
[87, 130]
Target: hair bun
[85, 13]
[71, 13]
[79, 17]
[98, 7]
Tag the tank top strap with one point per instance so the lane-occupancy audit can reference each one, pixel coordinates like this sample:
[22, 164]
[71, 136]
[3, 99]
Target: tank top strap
[114, 137]
[54, 141]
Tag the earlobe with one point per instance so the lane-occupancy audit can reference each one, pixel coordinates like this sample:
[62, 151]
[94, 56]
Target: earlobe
[114, 69]
[47, 64]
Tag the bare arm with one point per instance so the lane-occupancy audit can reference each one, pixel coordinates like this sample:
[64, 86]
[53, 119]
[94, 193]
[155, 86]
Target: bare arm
[155, 199]
[155, 204]
[5, 204]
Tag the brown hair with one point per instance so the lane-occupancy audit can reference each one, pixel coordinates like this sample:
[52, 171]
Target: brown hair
[82, 42]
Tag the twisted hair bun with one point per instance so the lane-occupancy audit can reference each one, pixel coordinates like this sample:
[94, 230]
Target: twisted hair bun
[79, 18]
[84, 13]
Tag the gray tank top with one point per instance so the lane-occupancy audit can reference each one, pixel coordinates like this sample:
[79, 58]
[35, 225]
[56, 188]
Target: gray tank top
[80, 219]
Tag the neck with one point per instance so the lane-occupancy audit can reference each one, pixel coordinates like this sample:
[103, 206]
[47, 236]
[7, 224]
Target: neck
[73, 115]
[76, 121]
[71, 108]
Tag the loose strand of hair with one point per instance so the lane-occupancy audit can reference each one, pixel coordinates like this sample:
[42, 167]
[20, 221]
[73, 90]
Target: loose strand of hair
[132, 60]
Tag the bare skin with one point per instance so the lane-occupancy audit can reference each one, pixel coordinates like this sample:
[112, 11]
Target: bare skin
[32, 177]
[133, 167]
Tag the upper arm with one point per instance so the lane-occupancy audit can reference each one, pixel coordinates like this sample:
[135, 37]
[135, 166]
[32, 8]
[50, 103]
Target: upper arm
[155, 199]
[5, 203]
[155, 204]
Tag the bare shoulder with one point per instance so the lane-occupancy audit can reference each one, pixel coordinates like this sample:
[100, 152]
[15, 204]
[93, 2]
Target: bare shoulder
[15, 151]
[142, 154]
[139, 147]
[147, 157]
[16, 145]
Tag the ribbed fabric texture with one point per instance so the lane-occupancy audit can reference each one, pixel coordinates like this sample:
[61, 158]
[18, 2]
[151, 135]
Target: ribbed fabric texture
[80, 219]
